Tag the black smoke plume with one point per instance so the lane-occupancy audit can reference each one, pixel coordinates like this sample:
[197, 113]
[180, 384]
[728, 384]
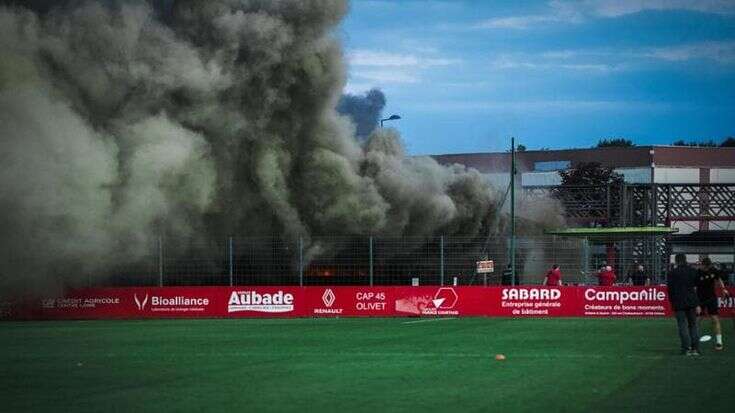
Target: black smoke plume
[122, 120]
[364, 111]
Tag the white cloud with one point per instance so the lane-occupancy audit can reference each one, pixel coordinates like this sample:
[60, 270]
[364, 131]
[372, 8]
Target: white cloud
[721, 52]
[373, 58]
[356, 88]
[560, 54]
[381, 67]
[559, 12]
[564, 11]
[550, 61]
[537, 106]
[388, 5]
[516, 22]
[612, 60]
[617, 8]
[384, 76]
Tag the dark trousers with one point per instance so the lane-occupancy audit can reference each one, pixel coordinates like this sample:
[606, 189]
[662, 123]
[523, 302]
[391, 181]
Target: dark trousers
[688, 334]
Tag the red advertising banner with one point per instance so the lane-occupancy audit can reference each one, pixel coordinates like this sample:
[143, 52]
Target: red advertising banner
[287, 301]
[172, 302]
[349, 301]
[519, 301]
[623, 301]
[727, 305]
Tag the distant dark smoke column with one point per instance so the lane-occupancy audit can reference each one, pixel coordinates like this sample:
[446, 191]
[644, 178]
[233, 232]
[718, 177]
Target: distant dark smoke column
[364, 110]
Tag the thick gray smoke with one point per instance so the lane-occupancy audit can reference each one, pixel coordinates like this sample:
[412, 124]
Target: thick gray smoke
[120, 121]
[364, 111]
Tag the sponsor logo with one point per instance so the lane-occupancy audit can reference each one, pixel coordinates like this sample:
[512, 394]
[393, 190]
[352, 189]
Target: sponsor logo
[140, 304]
[370, 301]
[278, 302]
[531, 294]
[441, 303]
[328, 297]
[648, 294]
[77, 302]
[177, 303]
[445, 298]
[531, 301]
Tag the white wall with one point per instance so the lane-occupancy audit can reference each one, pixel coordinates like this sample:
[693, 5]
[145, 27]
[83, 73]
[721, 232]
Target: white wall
[540, 178]
[722, 176]
[631, 176]
[726, 225]
[676, 175]
[635, 175]
[686, 227]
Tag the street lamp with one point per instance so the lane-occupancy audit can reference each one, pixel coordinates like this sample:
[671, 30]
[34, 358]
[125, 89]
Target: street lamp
[392, 117]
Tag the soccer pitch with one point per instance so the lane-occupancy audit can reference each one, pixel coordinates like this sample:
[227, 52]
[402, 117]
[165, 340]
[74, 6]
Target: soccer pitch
[322, 365]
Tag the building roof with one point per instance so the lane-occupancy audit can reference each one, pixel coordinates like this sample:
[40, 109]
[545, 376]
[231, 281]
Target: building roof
[703, 242]
[613, 233]
[614, 157]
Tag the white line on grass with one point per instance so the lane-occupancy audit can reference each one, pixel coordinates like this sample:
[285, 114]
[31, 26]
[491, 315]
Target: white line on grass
[424, 320]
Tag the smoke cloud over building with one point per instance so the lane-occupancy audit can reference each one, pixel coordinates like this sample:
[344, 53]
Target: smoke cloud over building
[121, 121]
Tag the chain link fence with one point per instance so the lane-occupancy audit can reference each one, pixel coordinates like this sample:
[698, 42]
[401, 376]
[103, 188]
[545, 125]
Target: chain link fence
[391, 261]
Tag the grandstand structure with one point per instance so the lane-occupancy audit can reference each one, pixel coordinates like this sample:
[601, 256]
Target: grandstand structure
[688, 189]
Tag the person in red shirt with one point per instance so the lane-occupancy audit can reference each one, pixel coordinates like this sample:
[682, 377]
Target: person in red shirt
[606, 276]
[553, 276]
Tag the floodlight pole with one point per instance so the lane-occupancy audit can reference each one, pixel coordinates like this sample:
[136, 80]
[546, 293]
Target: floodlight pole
[231, 256]
[513, 210]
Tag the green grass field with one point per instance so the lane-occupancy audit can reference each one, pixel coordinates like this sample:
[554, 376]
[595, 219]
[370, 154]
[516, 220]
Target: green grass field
[324, 365]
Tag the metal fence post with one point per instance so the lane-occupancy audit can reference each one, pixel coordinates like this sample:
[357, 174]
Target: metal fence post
[160, 261]
[231, 253]
[301, 261]
[585, 258]
[371, 261]
[441, 260]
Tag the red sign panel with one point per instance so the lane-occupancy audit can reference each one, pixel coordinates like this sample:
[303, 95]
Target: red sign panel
[624, 301]
[727, 305]
[537, 301]
[286, 301]
[349, 301]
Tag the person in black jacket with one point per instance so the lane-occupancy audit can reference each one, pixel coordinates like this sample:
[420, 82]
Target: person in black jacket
[637, 276]
[507, 278]
[684, 301]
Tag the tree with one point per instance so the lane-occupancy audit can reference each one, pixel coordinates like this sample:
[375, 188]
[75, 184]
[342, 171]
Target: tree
[615, 143]
[729, 142]
[705, 144]
[521, 148]
[590, 174]
[589, 188]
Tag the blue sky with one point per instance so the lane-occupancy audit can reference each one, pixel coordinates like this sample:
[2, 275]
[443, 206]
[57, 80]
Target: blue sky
[467, 75]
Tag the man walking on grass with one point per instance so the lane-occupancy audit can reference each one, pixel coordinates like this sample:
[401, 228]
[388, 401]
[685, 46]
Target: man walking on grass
[684, 302]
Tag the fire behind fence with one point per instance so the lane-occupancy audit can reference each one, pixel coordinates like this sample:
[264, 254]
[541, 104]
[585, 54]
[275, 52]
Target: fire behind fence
[382, 261]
